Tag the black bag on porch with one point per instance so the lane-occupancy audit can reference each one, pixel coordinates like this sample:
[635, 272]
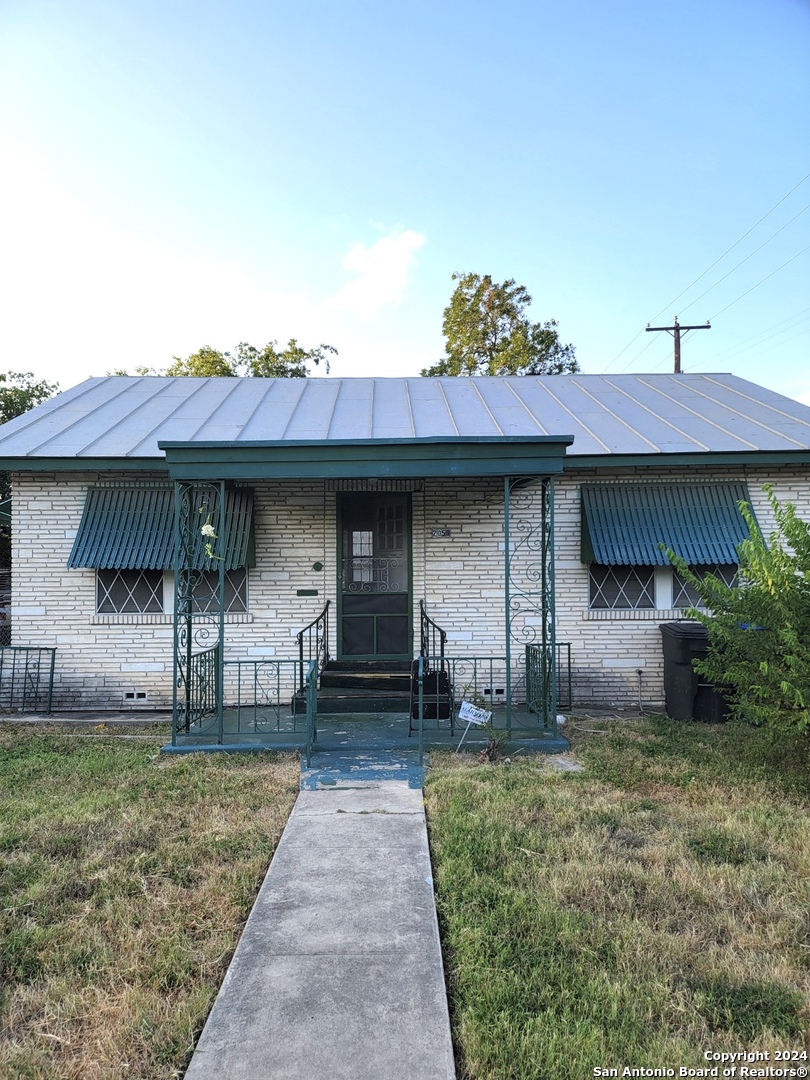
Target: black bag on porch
[436, 703]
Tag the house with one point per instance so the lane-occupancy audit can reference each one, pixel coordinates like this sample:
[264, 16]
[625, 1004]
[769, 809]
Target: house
[509, 512]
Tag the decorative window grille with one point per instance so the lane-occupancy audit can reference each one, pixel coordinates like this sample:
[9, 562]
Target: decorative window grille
[622, 587]
[121, 592]
[206, 591]
[685, 595]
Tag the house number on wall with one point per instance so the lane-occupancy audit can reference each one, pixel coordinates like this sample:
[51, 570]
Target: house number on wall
[441, 533]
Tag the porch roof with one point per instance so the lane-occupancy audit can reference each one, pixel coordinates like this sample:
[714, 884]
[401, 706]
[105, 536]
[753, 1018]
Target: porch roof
[135, 423]
[355, 458]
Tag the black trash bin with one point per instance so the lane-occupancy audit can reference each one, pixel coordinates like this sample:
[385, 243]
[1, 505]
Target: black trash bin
[688, 696]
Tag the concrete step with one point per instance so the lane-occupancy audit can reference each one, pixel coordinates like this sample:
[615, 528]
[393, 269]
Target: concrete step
[353, 699]
[334, 769]
[401, 667]
[365, 680]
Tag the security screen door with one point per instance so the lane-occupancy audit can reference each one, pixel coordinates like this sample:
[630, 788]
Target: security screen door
[375, 577]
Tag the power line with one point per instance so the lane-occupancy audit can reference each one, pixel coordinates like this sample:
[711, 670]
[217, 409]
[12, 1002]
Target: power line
[638, 354]
[763, 346]
[742, 295]
[736, 242]
[624, 350]
[747, 291]
[745, 260]
[743, 346]
[705, 272]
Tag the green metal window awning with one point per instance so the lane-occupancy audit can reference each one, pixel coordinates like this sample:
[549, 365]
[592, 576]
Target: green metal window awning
[133, 529]
[624, 524]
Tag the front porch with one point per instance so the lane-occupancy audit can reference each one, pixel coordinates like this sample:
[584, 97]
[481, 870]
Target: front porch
[490, 581]
[379, 732]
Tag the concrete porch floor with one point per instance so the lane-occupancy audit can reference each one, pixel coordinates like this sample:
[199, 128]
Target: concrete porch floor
[362, 732]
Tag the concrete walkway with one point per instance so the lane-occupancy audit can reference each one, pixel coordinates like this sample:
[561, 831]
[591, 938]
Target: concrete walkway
[338, 974]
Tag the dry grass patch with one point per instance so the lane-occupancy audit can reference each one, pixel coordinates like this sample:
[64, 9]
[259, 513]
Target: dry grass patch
[125, 880]
[638, 913]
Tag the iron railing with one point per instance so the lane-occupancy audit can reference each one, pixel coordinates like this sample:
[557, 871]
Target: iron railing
[200, 675]
[540, 685]
[260, 695]
[432, 638]
[431, 684]
[313, 645]
[481, 680]
[565, 692]
[311, 689]
[420, 706]
[26, 678]
[540, 689]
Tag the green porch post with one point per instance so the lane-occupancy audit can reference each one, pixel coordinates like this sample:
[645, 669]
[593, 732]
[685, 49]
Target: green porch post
[549, 604]
[198, 656]
[521, 598]
[220, 653]
[507, 488]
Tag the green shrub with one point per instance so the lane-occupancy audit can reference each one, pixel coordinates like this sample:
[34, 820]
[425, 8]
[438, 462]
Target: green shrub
[759, 629]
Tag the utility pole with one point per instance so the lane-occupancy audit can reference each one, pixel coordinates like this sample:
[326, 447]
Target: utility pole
[676, 333]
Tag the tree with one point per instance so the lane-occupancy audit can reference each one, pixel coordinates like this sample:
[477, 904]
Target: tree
[487, 332]
[759, 628]
[269, 362]
[19, 392]
[203, 363]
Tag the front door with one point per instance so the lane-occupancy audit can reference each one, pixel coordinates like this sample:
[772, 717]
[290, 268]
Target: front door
[375, 577]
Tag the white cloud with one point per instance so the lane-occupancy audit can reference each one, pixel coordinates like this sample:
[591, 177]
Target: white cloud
[87, 291]
[382, 273]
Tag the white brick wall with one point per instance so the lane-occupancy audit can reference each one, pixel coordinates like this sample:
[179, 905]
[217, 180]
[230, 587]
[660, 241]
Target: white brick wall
[100, 659]
[610, 648]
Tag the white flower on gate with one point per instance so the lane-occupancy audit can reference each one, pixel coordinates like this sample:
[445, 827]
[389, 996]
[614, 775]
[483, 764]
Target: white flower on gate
[208, 533]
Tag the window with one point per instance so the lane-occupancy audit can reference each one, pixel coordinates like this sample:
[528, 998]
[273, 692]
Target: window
[625, 529]
[647, 588]
[622, 587]
[684, 594]
[206, 591]
[390, 527]
[362, 556]
[129, 591]
[141, 592]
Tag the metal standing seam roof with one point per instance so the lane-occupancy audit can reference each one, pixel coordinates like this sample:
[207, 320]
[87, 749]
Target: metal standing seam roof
[133, 529]
[124, 418]
[624, 524]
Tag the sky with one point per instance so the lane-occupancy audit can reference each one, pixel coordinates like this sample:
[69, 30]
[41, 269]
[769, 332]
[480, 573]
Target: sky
[181, 174]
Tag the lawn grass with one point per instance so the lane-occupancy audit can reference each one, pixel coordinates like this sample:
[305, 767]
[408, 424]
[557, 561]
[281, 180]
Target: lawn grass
[125, 879]
[638, 913]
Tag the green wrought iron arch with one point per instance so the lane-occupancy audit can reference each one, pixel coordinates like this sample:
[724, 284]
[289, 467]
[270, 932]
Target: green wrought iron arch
[529, 589]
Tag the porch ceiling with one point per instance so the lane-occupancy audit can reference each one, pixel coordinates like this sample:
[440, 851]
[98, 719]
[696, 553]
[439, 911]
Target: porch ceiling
[539, 455]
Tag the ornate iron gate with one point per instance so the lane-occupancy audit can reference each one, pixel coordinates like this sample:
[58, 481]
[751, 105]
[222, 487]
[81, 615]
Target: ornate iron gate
[529, 580]
[199, 515]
